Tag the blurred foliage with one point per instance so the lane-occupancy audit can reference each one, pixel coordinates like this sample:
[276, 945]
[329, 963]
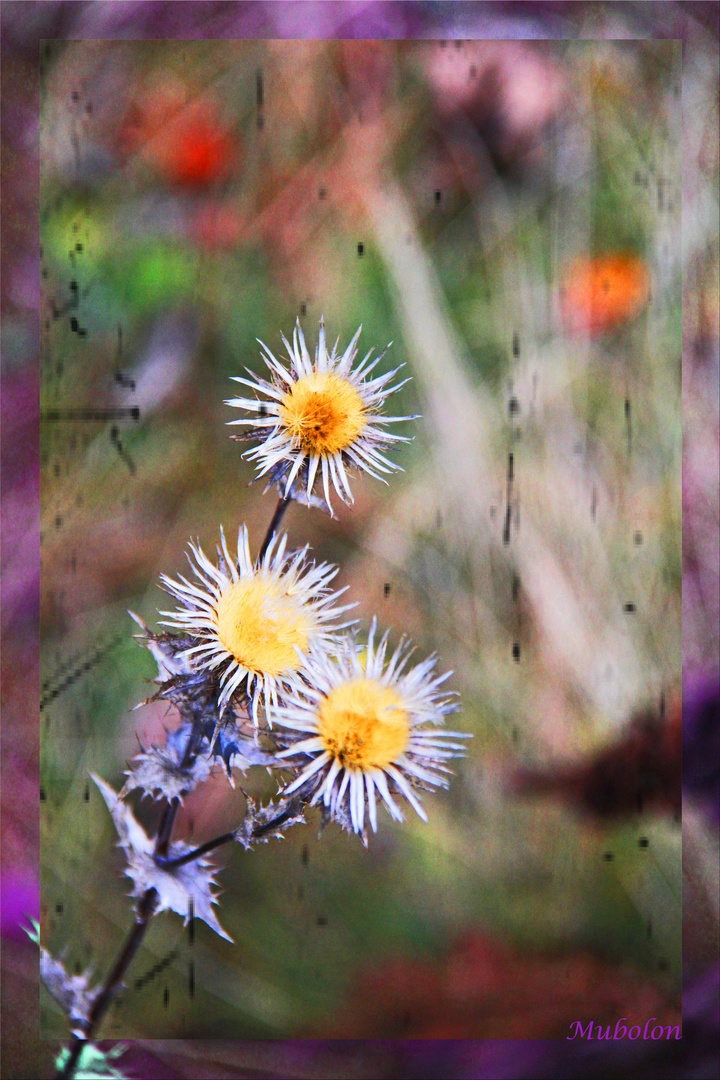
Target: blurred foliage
[440, 196]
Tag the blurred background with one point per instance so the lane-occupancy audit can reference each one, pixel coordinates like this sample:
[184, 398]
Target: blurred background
[507, 213]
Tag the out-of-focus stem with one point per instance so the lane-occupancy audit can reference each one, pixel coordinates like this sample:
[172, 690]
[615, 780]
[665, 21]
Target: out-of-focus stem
[148, 901]
[145, 911]
[280, 509]
[162, 841]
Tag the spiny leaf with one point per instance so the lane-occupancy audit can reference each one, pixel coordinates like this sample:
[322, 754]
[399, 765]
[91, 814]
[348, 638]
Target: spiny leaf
[235, 749]
[179, 889]
[263, 823]
[161, 770]
[166, 650]
[72, 992]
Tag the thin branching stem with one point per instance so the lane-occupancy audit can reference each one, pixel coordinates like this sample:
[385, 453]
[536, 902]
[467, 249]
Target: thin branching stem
[218, 841]
[113, 983]
[148, 901]
[167, 821]
[280, 509]
[145, 911]
[196, 853]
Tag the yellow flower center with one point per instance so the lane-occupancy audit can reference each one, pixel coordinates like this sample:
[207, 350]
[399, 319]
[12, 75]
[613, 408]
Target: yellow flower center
[363, 725]
[260, 623]
[323, 413]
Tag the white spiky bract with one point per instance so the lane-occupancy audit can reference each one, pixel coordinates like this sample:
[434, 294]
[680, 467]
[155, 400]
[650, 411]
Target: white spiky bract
[182, 889]
[73, 993]
[281, 452]
[289, 587]
[414, 693]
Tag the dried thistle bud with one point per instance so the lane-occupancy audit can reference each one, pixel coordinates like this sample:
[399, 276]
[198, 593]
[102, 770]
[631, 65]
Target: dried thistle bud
[166, 649]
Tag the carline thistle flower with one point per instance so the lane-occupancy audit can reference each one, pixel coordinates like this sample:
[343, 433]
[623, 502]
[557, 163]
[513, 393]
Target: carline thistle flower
[319, 416]
[364, 725]
[252, 623]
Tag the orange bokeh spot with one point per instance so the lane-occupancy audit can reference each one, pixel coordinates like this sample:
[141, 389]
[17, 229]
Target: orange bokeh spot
[602, 293]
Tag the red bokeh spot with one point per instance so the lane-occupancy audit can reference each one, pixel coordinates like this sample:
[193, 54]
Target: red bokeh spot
[188, 147]
[199, 155]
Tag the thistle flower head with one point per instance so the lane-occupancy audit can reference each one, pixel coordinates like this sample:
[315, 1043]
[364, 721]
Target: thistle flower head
[367, 728]
[252, 623]
[318, 417]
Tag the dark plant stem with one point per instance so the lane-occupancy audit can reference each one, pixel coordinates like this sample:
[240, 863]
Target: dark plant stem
[196, 853]
[148, 900]
[167, 821]
[145, 911]
[166, 827]
[280, 509]
[210, 845]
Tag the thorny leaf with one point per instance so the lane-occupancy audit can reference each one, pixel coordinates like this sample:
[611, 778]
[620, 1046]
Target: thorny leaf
[166, 650]
[93, 1063]
[263, 823]
[339, 815]
[71, 992]
[160, 769]
[235, 749]
[194, 694]
[179, 888]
